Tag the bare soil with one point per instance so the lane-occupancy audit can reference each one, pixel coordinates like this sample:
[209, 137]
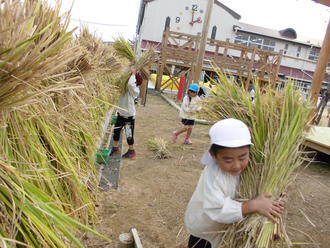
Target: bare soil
[153, 193]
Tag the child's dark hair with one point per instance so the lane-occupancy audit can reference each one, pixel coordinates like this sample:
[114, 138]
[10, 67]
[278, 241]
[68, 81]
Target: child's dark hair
[189, 95]
[201, 92]
[214, 149]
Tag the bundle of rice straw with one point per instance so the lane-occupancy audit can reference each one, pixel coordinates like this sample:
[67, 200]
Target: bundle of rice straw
[159, 146]
[277, 121]
[125, 51]
[53, 93]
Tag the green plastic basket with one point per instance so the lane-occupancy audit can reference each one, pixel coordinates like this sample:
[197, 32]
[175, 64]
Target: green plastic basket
[102, 156]
[113, 119]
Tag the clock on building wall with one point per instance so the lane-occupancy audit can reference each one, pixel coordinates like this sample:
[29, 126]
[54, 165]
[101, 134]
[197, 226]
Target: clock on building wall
[195, 12]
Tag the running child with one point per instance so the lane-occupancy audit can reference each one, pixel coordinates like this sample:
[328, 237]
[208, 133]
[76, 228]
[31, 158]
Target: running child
[189, 108]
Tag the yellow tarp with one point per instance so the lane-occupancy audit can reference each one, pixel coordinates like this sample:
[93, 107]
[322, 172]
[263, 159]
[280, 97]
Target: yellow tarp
[172, 86]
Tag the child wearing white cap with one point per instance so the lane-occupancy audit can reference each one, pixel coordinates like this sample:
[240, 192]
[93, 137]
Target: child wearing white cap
[189, 108]
[213, 202]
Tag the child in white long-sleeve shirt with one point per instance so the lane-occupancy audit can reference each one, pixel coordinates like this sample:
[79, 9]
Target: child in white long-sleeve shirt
[126, 116]
[213, 202]
[189, 108]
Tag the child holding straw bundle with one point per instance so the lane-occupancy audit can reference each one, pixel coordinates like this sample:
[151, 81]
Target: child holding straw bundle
[126, 116]
[213, 203]
[189, 107]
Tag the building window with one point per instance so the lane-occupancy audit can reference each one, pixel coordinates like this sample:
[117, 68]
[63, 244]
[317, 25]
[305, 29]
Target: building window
[286, 48]
[214, 32]
[298, 51]
[254, 41]
[268, 45]
[314, 54]
[241, 39]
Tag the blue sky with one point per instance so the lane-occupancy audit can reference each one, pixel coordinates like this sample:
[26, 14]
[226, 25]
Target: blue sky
[308, 18]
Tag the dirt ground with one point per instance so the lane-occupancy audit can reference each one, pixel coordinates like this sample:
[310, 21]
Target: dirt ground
[153, 194]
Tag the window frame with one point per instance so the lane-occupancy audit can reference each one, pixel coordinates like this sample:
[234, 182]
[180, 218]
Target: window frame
[314, 54]
[255, 41]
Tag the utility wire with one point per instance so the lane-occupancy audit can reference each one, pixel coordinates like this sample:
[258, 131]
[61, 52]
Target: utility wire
[98, 23]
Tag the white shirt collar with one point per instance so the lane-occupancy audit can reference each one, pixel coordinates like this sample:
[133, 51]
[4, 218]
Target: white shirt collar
[207, 159]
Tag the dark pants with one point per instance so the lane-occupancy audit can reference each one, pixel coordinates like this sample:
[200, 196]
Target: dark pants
[195, 242]
[188, 122]
[120, 123]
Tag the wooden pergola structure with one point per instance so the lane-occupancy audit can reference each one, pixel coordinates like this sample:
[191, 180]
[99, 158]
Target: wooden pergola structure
[322, 61]
[246, 63]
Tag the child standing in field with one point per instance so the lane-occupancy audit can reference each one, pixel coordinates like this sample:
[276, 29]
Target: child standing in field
[213, 202]
[189, 107]
[126, 116]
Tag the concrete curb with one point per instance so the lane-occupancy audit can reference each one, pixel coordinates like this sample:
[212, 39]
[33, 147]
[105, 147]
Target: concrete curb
[173, 104]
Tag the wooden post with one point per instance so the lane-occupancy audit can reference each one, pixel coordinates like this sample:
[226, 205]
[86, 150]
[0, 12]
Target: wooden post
[321, 67]
[201, 51]
[277, 68]
[250, 68]
[225, 52]
[137, 241]
[143, 91]
[159, 76]
[126, 240]
[324, 2]
[162, 60]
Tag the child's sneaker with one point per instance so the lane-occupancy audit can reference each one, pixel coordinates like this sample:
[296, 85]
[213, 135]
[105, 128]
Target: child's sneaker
[129, 154]
[114, 150]
[187, 141]
[174, 137]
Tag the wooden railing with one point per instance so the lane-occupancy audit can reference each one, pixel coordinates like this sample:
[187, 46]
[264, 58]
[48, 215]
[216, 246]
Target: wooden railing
[244, 62]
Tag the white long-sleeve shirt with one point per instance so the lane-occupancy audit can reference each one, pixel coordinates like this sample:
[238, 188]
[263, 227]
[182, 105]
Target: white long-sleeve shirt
[188, 109]
[126, 102]
[212, 204]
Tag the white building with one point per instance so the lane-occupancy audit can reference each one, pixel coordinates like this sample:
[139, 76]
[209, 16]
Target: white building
[187, 16]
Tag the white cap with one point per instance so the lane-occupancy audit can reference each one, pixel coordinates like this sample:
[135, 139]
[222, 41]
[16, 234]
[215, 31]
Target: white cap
[230, 133]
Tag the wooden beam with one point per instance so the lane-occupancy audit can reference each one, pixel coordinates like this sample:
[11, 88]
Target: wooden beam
[201, 52]
[324, 2]
[250, 68]
[277, 68]
[300, 59]
[143, 92]
[162, 60]
[321, 67]
[186, 55]
[137, 241]
[171, 78]
[160, 72]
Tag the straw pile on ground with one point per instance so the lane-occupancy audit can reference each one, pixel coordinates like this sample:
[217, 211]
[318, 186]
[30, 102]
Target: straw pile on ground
[160, 147]
[54, 93]
[277, 121]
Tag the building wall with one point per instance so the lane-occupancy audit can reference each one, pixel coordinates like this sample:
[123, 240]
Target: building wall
[180, 13]
[288, 48]
[156, 12]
